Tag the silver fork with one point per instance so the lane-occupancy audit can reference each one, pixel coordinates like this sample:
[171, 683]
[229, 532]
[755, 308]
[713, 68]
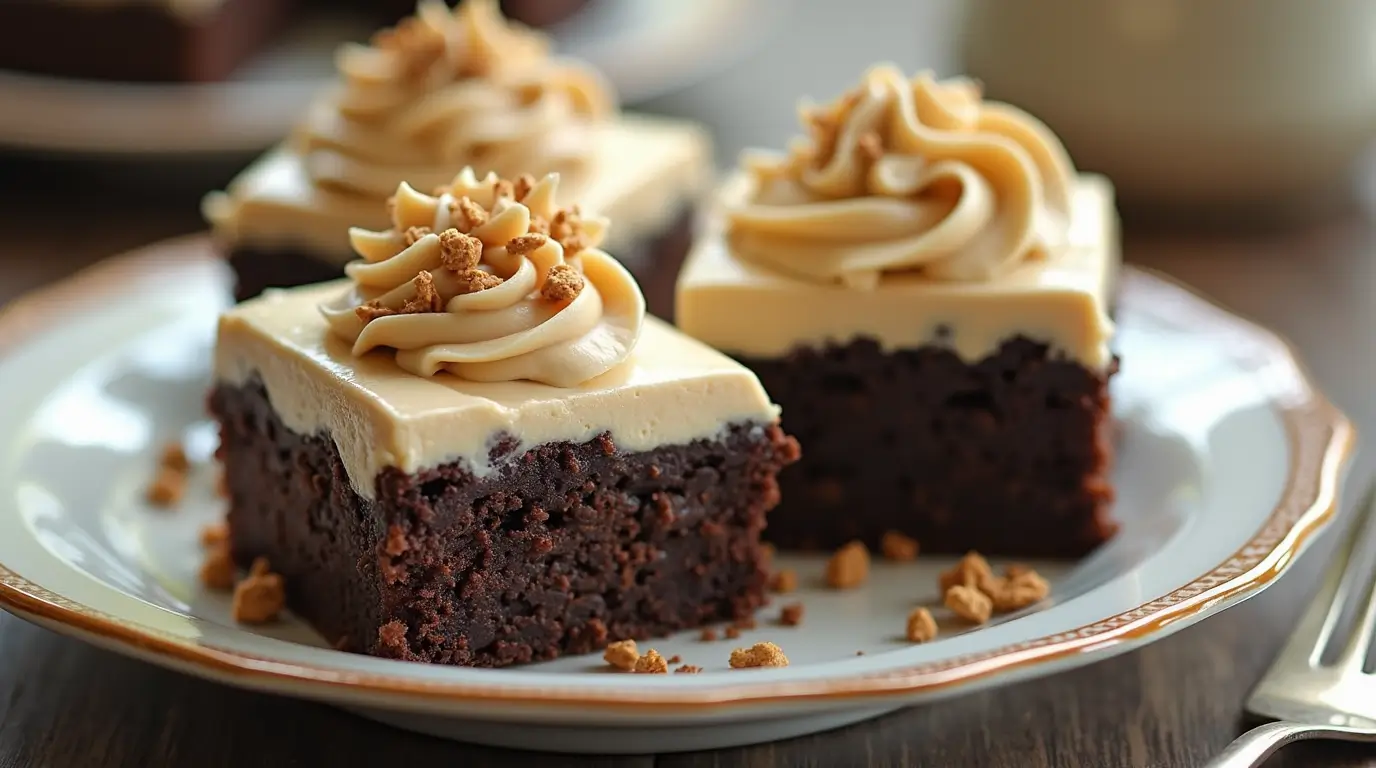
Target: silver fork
[1308, 699]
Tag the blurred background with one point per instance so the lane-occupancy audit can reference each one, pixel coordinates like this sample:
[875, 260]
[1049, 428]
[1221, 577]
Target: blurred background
[1237, 131]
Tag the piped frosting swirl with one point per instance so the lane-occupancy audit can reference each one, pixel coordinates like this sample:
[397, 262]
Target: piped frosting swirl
[907, 176]
[447, 89]
[490, 280]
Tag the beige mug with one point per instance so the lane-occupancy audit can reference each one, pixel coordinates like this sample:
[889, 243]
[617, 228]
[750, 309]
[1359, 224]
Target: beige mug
[1189, 101]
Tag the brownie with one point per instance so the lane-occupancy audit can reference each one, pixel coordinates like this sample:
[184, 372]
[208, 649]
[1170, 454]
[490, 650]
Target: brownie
[134, 41]
[561, 549]
[534, 13]
[654, 261]
[1008, 455]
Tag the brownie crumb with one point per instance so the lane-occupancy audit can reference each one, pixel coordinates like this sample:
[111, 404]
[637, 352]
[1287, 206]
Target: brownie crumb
[747, 622]
[707, 635]
[259, 598]
[688, 669]
[675, 659]
[921, 626]
[784, 581]
[791, 615]
[213, 534]
[758, 655]
[972, 571]
[168, 487]
[392, 636]
[174, 457]
[217, 570]
[969, 604]
[733, 632]
[899, 547]
[1018, 592]
[651, 664]
[859, 653]
[849, 567]
[622, 655]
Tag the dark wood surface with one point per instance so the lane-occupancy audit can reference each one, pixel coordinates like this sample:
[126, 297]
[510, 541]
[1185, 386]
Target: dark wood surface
[1174, 703]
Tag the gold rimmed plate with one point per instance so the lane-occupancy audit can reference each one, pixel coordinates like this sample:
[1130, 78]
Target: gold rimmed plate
[1229, 464]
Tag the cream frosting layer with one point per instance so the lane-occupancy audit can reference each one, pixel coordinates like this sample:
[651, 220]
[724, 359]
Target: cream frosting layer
[670, 391]
[490, 281]
[645, 169]
[1060, 298]
[907, 175]
[447, 89]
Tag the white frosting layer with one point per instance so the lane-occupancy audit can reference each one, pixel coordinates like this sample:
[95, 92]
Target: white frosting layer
[670, 391]
[644, 169]
[1061, 298]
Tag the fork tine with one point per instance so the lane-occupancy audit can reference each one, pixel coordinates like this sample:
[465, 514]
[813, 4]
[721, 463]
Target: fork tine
[1305, 646]
[1358, 644]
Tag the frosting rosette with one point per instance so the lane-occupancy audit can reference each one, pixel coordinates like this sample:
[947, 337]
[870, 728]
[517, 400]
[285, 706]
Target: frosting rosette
[448, 89]
[490, 280]
[907, 175]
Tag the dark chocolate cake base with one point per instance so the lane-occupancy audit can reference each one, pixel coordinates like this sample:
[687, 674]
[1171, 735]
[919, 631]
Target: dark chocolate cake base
[655, 262]
[1009, 455]
[134, 41]
[563, 549]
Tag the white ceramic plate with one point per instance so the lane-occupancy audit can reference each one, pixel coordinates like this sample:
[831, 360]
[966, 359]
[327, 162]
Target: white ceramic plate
[1229, 464]
[645, 48]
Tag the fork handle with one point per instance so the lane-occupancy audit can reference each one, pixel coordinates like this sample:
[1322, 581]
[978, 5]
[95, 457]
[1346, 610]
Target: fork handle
[1253, 747]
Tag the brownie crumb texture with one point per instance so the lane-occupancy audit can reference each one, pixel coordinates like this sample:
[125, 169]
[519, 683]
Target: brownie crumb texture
[791, 615]
[784, 581]
[969, 604]
[1009, 454]
[651, 664]
[622, 655]
[169, 479]
[849, 567]
[921, 626]
[260, 597]
[897, 546]
[758, 655]
[564, 549]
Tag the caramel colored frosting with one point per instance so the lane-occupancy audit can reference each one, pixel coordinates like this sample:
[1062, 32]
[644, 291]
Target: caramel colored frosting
[907, 176]
[447, 89]
[490, 281]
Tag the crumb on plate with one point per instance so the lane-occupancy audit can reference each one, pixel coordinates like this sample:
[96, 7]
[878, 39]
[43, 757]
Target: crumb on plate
[622, 655]
[259, 598]
[651, 664]
[758, 655]
[849, 567]
[969, 604]
[897, 546]
[784, 581]
[921, 626]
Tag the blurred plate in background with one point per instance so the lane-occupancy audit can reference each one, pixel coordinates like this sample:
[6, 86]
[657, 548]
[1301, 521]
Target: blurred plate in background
[645, 47]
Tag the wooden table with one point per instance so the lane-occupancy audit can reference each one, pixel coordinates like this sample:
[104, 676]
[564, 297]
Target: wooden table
[1173, 703]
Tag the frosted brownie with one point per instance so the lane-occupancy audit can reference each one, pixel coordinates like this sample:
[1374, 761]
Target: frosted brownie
[135, 40]
[441, 91]
[922, 285]
[479, 450]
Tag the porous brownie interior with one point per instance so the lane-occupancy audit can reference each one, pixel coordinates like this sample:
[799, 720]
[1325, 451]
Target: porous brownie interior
[563, 549]
[1009, 455]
